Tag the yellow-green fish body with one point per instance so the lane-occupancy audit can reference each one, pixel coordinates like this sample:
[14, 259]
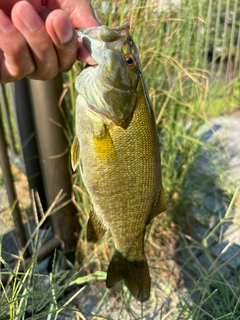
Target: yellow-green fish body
[118, 152]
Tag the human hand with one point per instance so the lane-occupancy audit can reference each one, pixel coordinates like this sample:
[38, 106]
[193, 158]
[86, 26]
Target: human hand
[39, 42]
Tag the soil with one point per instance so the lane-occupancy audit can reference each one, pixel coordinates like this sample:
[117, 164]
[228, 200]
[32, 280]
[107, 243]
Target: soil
[21, 187]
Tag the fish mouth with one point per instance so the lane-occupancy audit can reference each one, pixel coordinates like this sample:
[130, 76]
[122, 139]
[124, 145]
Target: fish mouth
[95, 38]
[87, 44]
[91, 65]
[101, 41]
[105, 33]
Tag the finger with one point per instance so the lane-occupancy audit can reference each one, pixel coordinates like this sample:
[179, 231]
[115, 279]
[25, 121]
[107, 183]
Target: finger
[80, 12]
[67, 46]
[31, 26]
[81, 15]
[64, 38]
[15, 58]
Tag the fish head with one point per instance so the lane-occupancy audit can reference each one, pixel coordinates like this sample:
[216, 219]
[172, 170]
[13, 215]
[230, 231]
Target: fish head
[110, 86]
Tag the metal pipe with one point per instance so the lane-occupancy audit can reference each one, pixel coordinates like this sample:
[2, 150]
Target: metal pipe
[213, 66]
[231, 48]
[206, 47]
[27, 133]
[224, 37]
[8, 181]
[54, 155]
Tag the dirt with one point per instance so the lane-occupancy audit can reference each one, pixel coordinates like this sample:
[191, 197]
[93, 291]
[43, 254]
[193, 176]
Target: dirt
[22, 191]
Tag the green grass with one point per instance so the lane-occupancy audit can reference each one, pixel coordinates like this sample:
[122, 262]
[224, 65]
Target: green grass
[207, 293]
[9, 128]
[1, 180]
[183, 101]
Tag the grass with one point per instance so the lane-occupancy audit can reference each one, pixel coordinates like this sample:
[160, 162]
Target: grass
[9, 126]
[183, 287]
[190, 279]
[1, 180]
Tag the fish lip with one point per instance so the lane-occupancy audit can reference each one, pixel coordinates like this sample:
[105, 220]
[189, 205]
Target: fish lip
[91, 65]
[86, 43]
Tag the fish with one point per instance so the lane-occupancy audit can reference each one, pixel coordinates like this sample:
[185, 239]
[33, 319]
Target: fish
[117, 150]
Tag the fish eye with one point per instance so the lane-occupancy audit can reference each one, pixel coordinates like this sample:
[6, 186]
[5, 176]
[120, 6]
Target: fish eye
[129, 58]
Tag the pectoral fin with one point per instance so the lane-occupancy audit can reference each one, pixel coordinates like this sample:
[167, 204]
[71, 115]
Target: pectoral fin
[159, 207]
[75, 153]
[95, 228]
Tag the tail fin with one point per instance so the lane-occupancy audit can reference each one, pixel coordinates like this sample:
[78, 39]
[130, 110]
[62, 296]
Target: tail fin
[134, 273]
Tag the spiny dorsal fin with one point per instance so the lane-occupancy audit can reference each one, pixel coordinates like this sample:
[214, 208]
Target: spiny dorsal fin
[75, 153]
[95, 227]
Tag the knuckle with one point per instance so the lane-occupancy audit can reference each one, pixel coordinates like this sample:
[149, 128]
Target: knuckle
[66, 68]
[67, 55]
[16, 72]
[23, 70]
[66, 61]
[30, 69]
[44, 75]
[18, 48]
[50, 71]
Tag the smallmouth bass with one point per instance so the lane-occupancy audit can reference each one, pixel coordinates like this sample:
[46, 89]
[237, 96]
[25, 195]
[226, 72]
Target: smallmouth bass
[117, 149]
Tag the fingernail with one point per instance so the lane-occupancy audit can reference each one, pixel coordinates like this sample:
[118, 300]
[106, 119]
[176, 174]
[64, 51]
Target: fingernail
[63, 28]
[5, 22]
[31, 19]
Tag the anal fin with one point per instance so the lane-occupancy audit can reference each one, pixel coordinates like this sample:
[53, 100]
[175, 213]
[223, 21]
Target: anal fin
[159, 207]
[95, 227]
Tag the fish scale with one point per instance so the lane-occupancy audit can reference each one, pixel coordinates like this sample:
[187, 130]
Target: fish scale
[119, 154]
